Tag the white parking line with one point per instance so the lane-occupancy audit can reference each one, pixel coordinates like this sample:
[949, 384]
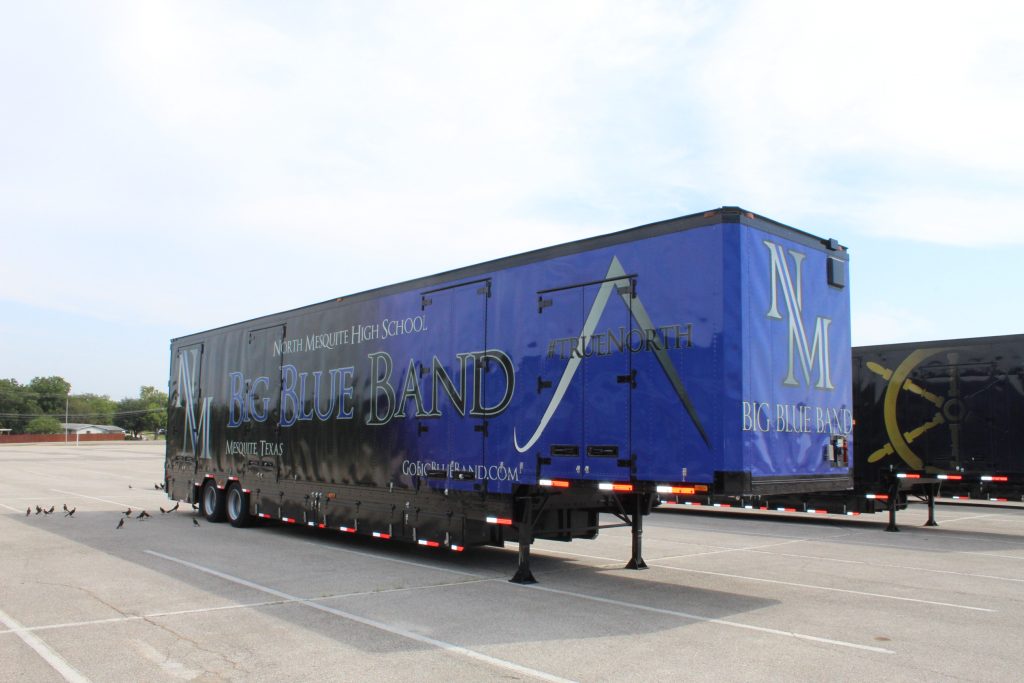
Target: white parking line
[712, 620]
[421, 565]
[395, 630]
[654, 563]
[59, 664]
[81, 495]
[823, 588]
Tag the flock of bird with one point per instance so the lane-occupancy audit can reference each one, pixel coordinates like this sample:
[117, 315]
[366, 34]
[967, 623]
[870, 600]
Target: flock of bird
[127, 514]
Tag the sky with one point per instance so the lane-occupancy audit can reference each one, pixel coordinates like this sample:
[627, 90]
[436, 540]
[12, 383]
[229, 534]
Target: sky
[168, 167]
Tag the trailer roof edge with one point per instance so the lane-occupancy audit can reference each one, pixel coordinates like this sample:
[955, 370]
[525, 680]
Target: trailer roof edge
[724, 214]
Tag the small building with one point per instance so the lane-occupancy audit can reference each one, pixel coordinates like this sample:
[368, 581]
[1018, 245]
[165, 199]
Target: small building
[81, 428]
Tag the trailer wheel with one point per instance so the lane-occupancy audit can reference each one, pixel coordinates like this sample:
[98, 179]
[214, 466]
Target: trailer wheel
[238, 506]
[213, 502]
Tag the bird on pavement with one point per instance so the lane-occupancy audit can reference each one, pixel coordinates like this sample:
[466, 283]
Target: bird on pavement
[195, 522]
[162, 511]
[28, 511]
[142, 515]
[38, 509]
[70, 513]
[175, 506]
[127, 513]
[48, 512]
[65, 507]
[120, 523]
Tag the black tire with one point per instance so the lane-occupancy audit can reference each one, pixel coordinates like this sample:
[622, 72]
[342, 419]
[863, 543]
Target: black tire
[237, 506]
[213, 502]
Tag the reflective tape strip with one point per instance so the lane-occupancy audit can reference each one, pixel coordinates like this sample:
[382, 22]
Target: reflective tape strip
[692, 502]
[288, 519]
[609, 486]
[246, 490]
[557, 483]
[458, 548]
[908, 475]
[995, 477]
[499, 520]
[429, 544]
[999, 500]
[950, 477]
[723, 505]
[852, 514]
[232, 478]
[786, 509]
[877, 496]
[263, 515]
[817, 512]
[381, 534]
[347, 529]
[680, 490]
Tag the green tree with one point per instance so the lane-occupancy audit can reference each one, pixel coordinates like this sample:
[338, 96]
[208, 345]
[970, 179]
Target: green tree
[147, 413]
[43, 425]
[91, 408]
[16, 403]
[50, 393]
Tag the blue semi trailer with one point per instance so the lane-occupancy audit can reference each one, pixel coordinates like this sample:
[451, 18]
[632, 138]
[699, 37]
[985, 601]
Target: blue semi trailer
[521, 398]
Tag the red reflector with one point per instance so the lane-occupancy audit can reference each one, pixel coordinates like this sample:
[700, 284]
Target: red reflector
[263, 515]
[379, 534]
[347, 529]
[1000, 479]
[908, 475]
[559, 483]
[954, 477]
[429, 544]
[499, 520]
[458, 548]
[321, 526]
[288, 519]
[999, 500]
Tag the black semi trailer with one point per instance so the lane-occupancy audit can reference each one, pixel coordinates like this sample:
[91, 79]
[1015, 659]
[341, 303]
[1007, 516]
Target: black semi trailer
[521, 398]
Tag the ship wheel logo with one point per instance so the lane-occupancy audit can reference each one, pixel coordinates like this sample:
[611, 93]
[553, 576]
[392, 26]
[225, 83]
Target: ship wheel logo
[949, 409]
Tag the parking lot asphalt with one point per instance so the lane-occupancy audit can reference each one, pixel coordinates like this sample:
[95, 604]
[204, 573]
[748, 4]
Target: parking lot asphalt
[727, 597]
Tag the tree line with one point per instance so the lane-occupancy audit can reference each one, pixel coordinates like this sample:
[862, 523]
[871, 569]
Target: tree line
[39, 407]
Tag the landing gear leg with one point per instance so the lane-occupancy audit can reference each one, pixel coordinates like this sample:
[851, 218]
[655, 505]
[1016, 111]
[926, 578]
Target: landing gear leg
[894, 499]
[931, 505]
[637, 561]
[523, 574]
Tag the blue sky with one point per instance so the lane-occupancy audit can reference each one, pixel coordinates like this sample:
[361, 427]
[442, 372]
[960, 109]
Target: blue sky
[170, 167]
